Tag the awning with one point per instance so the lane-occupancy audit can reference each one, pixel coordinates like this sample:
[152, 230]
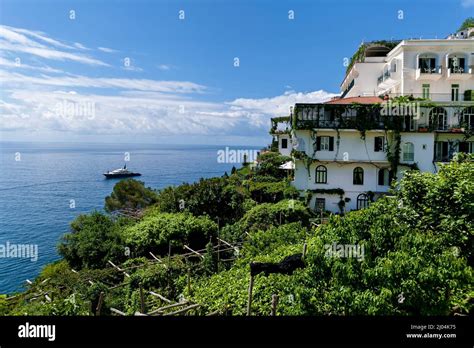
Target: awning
[287, 166]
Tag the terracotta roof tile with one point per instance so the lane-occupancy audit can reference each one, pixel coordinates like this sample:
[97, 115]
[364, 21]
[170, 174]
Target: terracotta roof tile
[360, 100]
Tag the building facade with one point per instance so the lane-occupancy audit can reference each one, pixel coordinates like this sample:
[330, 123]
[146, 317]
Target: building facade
[405, 106]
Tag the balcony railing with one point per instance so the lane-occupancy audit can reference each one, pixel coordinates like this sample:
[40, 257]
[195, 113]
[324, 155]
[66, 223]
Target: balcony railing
[435, 97]
[431, 70]
[457, 70]
[379, 117]
[386, 75]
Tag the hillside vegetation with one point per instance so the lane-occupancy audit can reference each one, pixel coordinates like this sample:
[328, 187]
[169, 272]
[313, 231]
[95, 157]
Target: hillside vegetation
[417, 250]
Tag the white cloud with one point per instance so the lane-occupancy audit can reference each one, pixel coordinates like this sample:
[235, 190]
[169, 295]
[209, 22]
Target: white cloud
[279, 105]
[104, 82]
[107, 50]
[467, 3]
[80, 46]
[122, 106]
[12, 64]
[145, 112]
[21, 40]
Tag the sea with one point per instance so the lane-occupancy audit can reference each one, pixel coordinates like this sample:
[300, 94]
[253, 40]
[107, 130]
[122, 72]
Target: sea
[45, 186]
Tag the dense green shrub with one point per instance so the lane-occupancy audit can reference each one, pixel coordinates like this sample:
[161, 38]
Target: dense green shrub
[213, 197]
[263, 216]
[158, 230]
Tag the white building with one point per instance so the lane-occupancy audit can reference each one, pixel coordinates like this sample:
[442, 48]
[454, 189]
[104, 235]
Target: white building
[281, 134]
[345, 153]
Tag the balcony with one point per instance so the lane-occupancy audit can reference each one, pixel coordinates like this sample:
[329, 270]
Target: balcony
[428, 74]
[353, 117]
[459, 73]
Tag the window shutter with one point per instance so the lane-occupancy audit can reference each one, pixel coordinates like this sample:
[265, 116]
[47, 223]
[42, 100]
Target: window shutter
[331, 143]
[318, 144]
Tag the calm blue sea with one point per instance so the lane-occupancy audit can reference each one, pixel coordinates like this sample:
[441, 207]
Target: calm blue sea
[36, 191]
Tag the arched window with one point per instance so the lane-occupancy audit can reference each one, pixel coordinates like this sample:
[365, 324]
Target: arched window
[362, 201]
[438, 118]
[467, 117]
[408, 152]
[321, 175]
[427, 63]
[358, 177]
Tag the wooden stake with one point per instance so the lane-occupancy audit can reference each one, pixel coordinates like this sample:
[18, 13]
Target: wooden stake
[249, 301]
[160, 297]
[274, 304]
[169, 253]
[98, 310]
[189, 281]
[193, 251]
[160, 310]
[119, 269]
[230, 245]
[117, 311]
[142, 300]
[182, 310]
[304, 249]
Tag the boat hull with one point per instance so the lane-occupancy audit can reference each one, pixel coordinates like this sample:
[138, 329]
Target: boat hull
[112, 176]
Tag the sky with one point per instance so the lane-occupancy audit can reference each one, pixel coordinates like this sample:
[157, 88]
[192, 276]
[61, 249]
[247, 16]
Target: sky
[186, 72]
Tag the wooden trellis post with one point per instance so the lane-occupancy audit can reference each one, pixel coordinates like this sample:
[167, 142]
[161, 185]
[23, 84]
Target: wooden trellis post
[249, 300]
[274, 304]
[98, 310]
[142, 300]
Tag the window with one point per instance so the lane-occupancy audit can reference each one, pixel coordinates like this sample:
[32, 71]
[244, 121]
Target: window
[358, 176]
[456, 65]
[320, 204]
[454, 92]
[466, 146]
[426, 91]
[325, 143]
[427, 65]
[284, 143]
[438, 118]
[379, 144]
[383, 177]
[467, 117]
[441, 151]
[321, 175]
[408, 152]
[362, 201]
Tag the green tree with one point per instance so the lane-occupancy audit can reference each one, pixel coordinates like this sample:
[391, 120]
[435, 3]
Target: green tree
[269, 163]
[129, 194]
[93, 240]
[468, 23]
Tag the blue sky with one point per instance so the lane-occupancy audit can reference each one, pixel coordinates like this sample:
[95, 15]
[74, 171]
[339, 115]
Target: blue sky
[181, 85]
